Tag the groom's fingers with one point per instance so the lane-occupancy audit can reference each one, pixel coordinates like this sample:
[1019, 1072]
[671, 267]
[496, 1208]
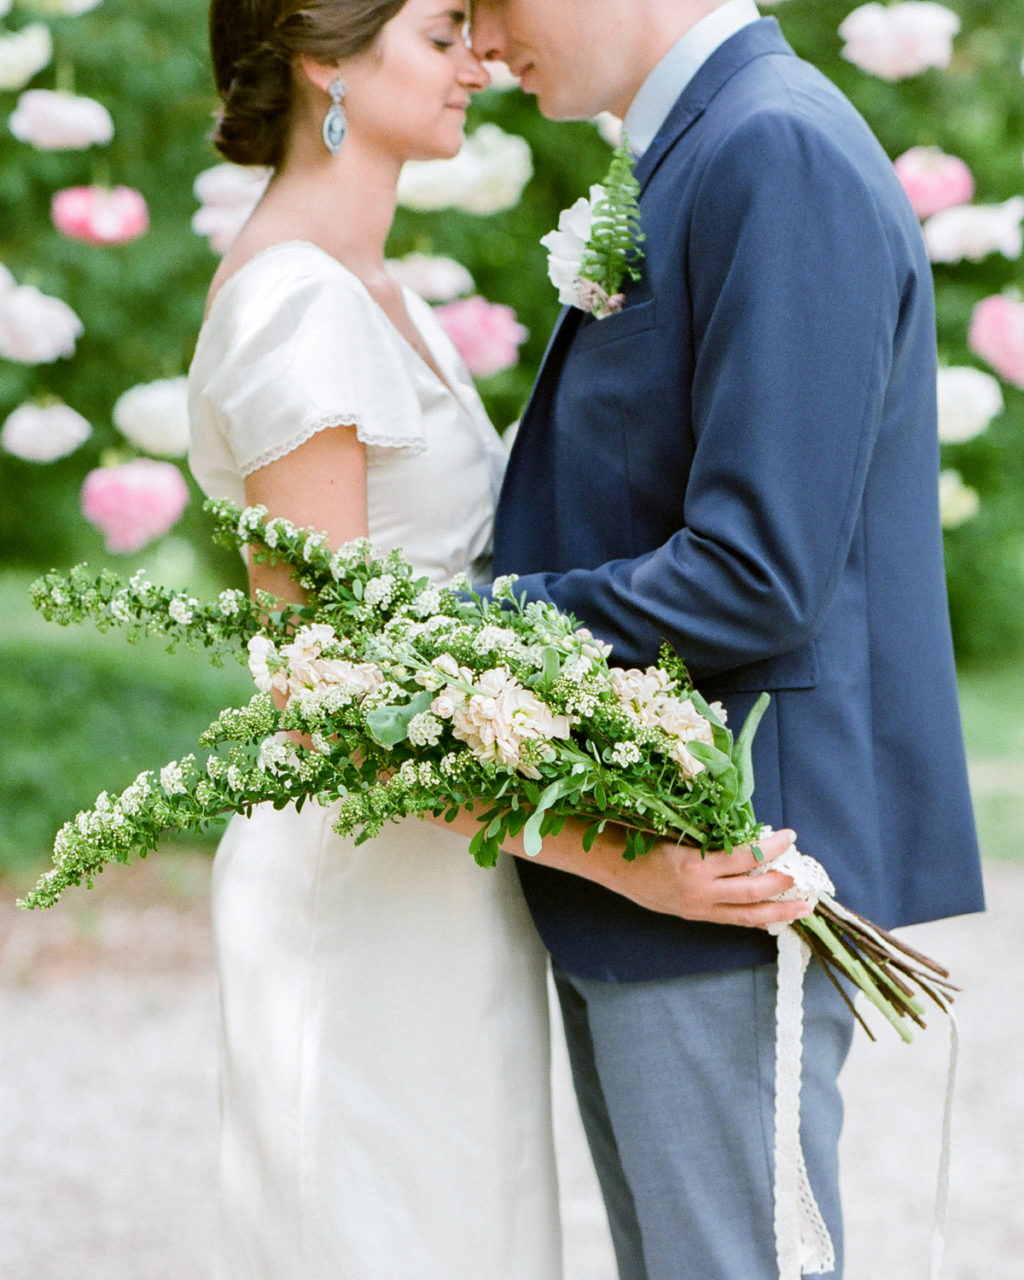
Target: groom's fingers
[743, 860]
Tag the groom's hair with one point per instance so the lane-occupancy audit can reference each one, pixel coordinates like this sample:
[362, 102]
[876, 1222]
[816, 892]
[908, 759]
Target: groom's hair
[253, 46]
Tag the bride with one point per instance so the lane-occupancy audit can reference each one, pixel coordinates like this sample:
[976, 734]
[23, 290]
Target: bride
[384, 1048]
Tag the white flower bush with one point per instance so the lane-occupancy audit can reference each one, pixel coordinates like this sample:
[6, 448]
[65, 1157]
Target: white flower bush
[227, 194]
[958, 502]
[35, 328]
[44, 433]
[52, 121]
[899, 40]
[23, 54]
[435, 279]
[968, 401]
[972, 231]
[154, 417]
[487, 176]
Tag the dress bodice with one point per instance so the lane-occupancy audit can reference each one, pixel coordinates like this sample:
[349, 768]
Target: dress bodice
[294, 343]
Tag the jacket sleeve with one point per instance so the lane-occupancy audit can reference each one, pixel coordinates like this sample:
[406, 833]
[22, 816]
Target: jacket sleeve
[796, 305]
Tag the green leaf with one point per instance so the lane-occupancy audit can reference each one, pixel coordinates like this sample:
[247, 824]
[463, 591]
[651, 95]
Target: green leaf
[744, 743]
[390, 725]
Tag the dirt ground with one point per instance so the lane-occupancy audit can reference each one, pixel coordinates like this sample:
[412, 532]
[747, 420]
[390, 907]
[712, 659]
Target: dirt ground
[108, 1098]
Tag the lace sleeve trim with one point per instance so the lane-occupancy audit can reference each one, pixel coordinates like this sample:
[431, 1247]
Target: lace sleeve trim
[373, 439]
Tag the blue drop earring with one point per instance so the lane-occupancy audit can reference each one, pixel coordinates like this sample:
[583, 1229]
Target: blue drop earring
[335, 123]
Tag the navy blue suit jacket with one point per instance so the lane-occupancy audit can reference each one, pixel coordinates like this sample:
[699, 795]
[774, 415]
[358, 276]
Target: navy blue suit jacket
[744, 462]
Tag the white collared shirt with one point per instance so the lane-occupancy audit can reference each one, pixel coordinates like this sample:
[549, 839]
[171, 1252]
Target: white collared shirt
[658, 93]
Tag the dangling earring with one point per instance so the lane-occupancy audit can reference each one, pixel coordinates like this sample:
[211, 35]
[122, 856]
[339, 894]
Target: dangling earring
[335, 124]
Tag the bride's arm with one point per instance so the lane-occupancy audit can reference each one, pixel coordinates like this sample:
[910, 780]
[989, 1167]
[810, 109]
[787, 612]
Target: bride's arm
[672, 879]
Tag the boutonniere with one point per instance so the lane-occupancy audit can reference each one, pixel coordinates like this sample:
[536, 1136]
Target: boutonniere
[597, 243]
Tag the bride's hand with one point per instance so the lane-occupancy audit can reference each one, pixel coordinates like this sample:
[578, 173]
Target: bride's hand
[675, 880]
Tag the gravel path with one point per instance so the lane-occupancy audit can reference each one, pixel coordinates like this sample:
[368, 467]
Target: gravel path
[108, 1107]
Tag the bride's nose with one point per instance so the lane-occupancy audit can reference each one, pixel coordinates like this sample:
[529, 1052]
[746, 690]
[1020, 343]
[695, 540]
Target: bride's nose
[473, 75]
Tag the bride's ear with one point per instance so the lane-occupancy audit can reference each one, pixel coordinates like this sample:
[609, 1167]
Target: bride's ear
[315, 73]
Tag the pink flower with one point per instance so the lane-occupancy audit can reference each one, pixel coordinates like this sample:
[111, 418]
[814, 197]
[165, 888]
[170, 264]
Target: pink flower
[486, 334]
[899, 40]
[100, 216]
[933, 180]
[135, 502]
[997, 335]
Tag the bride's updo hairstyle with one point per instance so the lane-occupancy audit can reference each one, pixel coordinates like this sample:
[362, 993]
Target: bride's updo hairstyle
[254, 45]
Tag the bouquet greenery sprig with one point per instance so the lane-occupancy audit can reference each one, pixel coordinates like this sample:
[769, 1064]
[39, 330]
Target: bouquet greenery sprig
[410, 698]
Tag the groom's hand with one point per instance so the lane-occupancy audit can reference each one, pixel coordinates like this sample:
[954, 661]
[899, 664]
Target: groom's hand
[676, 880]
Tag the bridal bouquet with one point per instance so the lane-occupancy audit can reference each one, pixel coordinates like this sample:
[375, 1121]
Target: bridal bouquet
[412, 698]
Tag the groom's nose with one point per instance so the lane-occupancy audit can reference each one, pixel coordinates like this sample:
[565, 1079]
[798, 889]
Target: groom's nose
[487, 32]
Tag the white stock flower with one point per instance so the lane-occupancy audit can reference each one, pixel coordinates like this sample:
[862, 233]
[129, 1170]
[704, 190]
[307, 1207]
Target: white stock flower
[973, 231]
[23, 54]
[227, 194]
[43, 433]
[566, 246]
[968, 401]
[958, 502]
[435, 279]
[35, 328]
[266, 666]
[487, 176]
[496, 721]
[53, 121]
[899, 40]
[154, 417]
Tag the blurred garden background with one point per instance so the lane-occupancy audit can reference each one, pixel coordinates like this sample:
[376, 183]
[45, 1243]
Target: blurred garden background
[113, 208]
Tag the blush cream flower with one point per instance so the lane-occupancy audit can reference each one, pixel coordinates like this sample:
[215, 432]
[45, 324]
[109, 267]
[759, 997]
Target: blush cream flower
[968, 401]
[997, 335]
[487, 176]
[899, 40]
[970, 232]
[227, 194]
[648, 697]
[154, 417]
[52, 121]
[933, 180]
[567, 244]
[44, 432]
[35, 328]
[100, 216]
[23, 54]
[486, 335]
[435, 279]
[135, 502]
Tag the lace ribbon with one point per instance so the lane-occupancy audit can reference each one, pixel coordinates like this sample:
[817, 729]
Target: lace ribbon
[803, 1245]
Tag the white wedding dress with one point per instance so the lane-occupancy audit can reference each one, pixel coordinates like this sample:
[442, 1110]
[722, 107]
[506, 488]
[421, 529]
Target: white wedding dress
[384, 1077]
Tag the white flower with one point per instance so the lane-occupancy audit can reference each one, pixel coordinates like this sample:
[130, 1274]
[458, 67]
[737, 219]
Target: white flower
[52, 121]
[567, 244]
[496, 721]
[5, 7]
[625, 753]
[35, 328]
[230, 602]
[42, 433]
[227, 194]
[427, 602]
[488, 638]
[609, 127]
[425, 730]
[154, 417]
[958, 502]
[24, 54]
[968, 401]
[378, 591]
[487, 175]
[277, 754]
[973, 231]
[181, 610]
[120, 607]
[502, 77]
[266, 665]
[899, 40]
[435, 279]
[172, 779]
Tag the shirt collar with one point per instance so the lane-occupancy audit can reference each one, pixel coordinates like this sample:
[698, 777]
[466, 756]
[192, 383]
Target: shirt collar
[659, 91]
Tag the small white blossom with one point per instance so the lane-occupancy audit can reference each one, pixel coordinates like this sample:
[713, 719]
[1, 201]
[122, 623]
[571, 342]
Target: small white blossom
[425, 730]
[181, 610]
[427, 602]
[312, 544]
[230, 601]
[625, 753]
[172, 779]
[236, 778]
[120, 607]
[378, 591]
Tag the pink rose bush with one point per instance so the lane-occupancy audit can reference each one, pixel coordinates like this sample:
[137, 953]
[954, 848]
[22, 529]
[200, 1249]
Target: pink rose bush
[899, 40]
[51, 121]
[34, 328]
[227, 194]
[44, 432]
[486, 335]
[973, 231]
[135, 502]
[933, 180]
[100, 216]
[997, 335]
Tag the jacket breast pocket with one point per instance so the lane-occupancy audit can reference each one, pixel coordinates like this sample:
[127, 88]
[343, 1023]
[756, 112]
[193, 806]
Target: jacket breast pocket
[623, 324]
[795, 670]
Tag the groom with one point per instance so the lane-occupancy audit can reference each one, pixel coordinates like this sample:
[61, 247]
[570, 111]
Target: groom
[743, 462]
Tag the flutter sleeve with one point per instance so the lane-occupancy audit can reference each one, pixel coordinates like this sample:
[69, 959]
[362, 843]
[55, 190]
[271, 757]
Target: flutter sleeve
[297, 346]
